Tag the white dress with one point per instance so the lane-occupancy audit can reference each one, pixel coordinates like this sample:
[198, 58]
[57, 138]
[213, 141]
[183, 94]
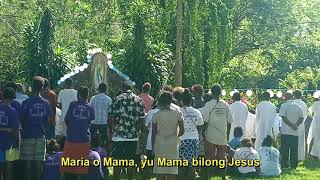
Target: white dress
[301, 130]
[239, 111]
[314, 132]
[251, 122]
[265, 115]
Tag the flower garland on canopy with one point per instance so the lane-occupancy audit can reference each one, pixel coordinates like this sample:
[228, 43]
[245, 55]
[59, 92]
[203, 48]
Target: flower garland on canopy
[273, 92]
[91, 53]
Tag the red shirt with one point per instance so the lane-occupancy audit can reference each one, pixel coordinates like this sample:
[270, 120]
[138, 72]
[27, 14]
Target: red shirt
[51, 96]
[148, 101]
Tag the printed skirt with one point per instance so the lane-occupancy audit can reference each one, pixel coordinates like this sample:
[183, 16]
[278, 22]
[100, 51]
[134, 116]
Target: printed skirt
[189, 149]
[33, 149]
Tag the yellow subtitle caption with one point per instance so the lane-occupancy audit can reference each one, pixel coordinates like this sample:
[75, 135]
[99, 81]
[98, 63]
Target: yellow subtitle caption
[160, 162]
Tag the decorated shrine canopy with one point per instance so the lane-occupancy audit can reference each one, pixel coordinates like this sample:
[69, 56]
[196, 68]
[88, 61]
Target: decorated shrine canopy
[98, 69]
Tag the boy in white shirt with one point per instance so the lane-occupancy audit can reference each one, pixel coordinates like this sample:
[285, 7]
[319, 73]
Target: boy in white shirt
[246, 152]
[269, 158]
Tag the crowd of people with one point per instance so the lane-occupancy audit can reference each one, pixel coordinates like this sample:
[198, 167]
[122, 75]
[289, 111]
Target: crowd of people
[39, 130]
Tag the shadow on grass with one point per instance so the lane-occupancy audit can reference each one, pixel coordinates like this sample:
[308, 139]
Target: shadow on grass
[311, 164]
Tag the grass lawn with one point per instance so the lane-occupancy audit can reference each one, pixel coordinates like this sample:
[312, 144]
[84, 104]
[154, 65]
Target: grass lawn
[307, 170]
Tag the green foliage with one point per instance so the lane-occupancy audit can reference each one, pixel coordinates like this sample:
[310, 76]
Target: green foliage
[238, 43]
[38, 54]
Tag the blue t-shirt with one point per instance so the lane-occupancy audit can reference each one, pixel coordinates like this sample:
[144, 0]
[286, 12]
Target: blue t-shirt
[51, 166]
[78, 118]
[235, 143]
[34, 114]
[9, 118]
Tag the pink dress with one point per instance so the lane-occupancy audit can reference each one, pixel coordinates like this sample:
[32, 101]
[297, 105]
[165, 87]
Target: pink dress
[148, 101]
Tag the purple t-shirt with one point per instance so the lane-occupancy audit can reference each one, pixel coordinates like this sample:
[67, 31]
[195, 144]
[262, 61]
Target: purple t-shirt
[16, 105]
[103, 154]
[78, 118]
[51, 167]
[34, 114]
[95, 172]
[9, 118]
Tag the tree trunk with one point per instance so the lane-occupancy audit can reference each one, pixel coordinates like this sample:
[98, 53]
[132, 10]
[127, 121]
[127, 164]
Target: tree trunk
[178, 65]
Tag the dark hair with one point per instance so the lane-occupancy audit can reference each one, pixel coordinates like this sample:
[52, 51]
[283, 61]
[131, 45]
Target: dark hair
[197, 90]
[236, 96]
[37, 83]
[19, 87]
[177, 93]
[46, 83]
[253, 111]
[207, 97]
[216, 90]
[168, 88]
[96, 140]
[83, 92]
[253, 140]
[11, 84]
[165, 98]
[297, 94]
[246, 142]
[268, 141]
[53, 146]
[266, 96]
[238, 132]
[102, 88]
[186, 97]
[61, 141]
[69, 82]
[127, 86]
[9, 93]
[146, 87]
[288, 96]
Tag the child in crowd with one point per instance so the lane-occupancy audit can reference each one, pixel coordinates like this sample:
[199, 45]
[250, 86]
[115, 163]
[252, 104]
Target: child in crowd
[96, 145]
[269, 156]
[78, 118]
[9, 134]
[246, 152]
[236, 141]
[52, 162]
[96, 153]
[35, 112]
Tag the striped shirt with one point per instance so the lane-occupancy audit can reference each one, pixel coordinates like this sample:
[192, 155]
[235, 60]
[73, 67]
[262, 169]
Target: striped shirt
[101, 104]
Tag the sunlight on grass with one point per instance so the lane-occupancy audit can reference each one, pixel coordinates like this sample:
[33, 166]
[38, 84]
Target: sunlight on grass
[308, 170]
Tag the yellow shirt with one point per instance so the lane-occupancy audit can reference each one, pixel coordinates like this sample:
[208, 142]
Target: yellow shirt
[217, 115]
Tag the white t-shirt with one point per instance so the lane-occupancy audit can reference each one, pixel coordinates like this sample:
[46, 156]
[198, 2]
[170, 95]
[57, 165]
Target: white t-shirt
[149, 125]
[65, 97]
[293, 112]
[60, 128]
[269, 161]
[246, 153]
[191, 119]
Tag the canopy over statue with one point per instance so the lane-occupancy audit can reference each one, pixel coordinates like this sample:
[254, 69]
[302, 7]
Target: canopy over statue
[99, 70]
